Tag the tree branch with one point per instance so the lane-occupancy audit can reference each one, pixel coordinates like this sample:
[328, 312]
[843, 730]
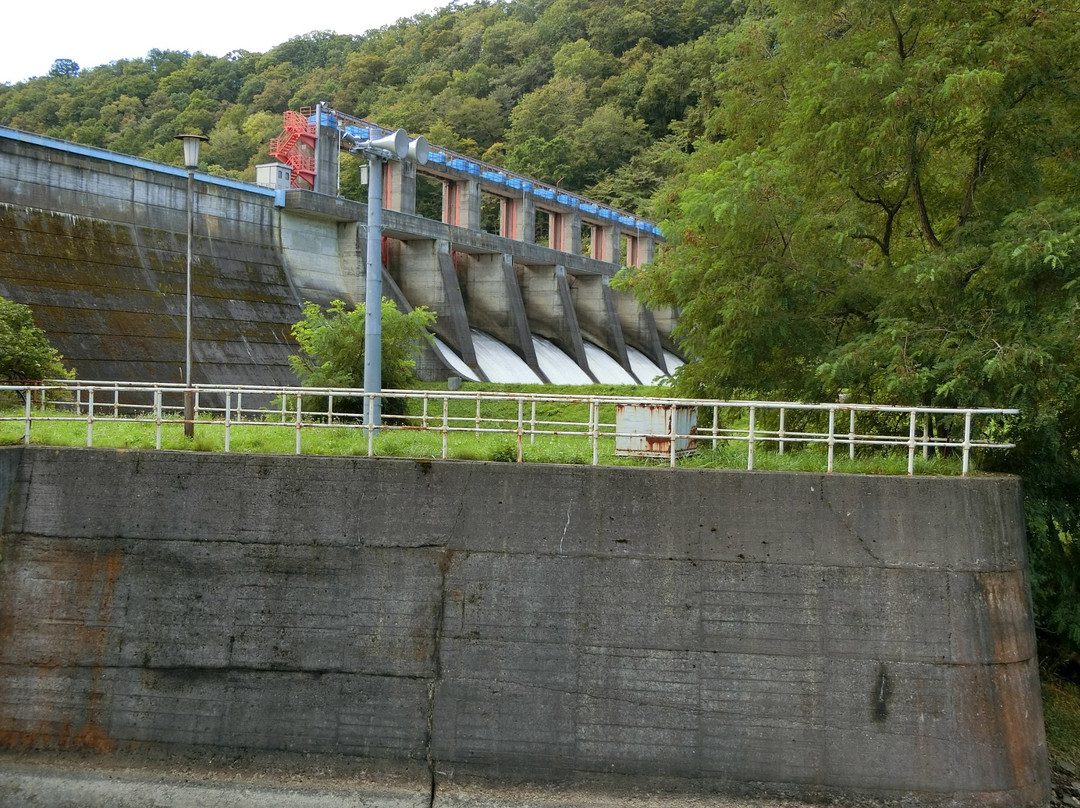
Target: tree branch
[925, 226]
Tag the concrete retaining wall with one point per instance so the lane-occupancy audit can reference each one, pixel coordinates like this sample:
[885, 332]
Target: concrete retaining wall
[700, 630]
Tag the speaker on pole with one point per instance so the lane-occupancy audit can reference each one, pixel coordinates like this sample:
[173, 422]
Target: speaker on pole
[397, 143]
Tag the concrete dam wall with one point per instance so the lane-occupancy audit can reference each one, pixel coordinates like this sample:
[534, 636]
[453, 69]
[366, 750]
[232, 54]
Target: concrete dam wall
[96, 243]
[700, 630]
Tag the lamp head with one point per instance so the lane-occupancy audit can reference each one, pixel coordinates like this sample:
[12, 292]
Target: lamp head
[191, 149]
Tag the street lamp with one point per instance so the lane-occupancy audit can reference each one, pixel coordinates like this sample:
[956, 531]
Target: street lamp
[191, 162]
[395, 146]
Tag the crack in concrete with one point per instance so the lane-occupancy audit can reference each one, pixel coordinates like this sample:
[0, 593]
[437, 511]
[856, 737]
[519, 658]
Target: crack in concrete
[566, 527]
[844, 520]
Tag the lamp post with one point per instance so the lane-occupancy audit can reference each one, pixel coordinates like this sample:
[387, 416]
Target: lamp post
[191, 162]
[395, 146]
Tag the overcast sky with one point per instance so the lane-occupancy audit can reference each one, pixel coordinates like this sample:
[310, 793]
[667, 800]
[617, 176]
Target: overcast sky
[95, 33]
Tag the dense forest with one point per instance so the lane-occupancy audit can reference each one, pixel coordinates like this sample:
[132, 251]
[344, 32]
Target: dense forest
[860, 197]
[568, 91]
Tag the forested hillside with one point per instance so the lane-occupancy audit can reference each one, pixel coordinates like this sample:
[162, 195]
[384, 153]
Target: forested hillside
[568, 91]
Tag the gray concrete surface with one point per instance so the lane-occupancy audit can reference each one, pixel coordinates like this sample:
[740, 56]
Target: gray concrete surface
[812, 634]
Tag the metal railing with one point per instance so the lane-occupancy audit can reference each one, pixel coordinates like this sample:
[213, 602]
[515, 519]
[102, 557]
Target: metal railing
[596, 420]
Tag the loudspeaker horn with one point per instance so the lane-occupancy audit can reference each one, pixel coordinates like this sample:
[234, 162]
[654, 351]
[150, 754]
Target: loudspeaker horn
[418, 150]
[397, 143]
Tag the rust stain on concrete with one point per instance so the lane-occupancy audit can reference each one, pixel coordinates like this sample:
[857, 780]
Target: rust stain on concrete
[73, 613]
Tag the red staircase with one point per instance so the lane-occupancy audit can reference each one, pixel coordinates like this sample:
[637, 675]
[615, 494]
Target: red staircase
[295, 147]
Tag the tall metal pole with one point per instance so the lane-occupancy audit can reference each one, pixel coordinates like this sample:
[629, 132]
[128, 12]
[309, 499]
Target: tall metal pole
[373, 295]
[189, 393]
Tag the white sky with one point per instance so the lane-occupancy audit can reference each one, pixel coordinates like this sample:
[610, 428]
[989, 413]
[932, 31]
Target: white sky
[95, 33]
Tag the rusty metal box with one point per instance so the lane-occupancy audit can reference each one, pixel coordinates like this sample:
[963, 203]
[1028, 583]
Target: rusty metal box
[645, 430]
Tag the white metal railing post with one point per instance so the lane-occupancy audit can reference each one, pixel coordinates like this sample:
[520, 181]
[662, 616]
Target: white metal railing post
[967, 443]
[445, 425]
[715, 424]
[157, 418]
[750, 439]
[532, 423]
[783, 412]
[28, 401]
[477, 415]
[831, 439]
[911, 443]
[594, 430]
[299, 419]
[90, 417]
[851, 435]
[423, 412]
[520, 427]
[672, 435]
[228, 417]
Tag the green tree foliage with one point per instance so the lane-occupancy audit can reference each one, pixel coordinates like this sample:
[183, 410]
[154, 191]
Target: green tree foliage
[332, 347]
[885, 200]
[25, 353]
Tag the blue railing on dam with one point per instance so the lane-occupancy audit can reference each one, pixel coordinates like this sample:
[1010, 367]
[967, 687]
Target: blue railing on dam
[490, 173]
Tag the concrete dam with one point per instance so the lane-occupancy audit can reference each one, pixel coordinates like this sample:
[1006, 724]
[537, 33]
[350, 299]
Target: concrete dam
[620, 630]
[95, 242]
[700, 632]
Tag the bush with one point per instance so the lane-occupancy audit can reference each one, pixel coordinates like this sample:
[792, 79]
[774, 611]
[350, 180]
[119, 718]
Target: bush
[25, 352]
[332, 349]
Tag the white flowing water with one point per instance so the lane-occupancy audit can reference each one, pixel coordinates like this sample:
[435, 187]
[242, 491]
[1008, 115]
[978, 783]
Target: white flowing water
[557, 364]
[499, 362]
[672, 361]
[644, 368]
[604, 368]
[457, 364]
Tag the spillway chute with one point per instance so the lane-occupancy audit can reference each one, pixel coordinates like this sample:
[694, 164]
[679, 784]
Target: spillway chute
[557, 365]
[455, 362]
[673, 362]
[499, 362]
[605, 368]
[644, 368]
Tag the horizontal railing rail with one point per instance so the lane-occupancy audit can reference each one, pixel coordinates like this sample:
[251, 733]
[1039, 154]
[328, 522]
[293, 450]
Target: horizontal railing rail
[524, 417]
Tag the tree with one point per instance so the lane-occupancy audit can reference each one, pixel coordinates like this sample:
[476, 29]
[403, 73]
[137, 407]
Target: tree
[64, 67]
[332, 347]
[886, 203]
[25, 353]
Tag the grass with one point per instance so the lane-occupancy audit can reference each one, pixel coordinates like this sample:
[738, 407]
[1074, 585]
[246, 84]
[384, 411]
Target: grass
[1061, 713]
[569, 418]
